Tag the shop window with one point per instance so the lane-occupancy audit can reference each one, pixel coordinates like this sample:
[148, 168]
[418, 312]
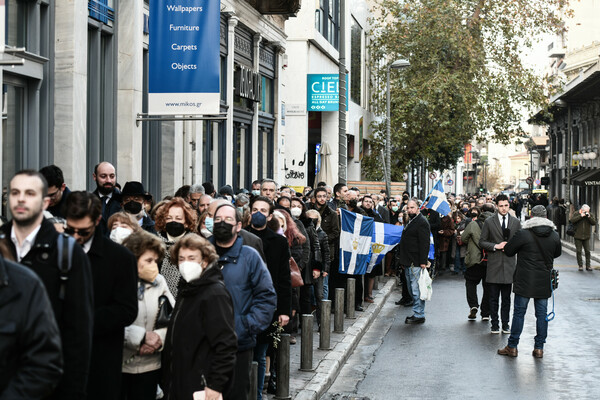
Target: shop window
[266, 102]
[356, 63]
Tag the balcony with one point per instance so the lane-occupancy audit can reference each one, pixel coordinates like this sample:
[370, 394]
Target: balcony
[277, 7]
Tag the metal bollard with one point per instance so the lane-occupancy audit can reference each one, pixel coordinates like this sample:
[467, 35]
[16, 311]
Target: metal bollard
[376, 283]
[338, 319]
[350, 290]
[325, 330]
[253, 381]
[306, 343]
[283, 368]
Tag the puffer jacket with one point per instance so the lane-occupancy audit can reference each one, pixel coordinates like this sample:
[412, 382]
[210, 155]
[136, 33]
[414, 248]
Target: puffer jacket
[471, 236]
[133, 362]
[532, 275]
[583, 225]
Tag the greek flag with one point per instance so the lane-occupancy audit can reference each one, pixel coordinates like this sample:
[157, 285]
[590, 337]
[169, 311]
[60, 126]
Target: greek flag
[355, 243]
[437, 200]
[385, 238]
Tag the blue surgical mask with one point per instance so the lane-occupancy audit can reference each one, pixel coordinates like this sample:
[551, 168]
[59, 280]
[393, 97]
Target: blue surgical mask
[256, 193]
[241, 210]
[209, 223]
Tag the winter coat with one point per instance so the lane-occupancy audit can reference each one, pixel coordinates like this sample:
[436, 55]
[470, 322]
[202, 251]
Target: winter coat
[325, 254]
[201, 338]
[249, 282]
[532, 276]
[74, 314]
[253, 241]
[583, 225]
[330, 222]
[111, 207]
[58, 209]
[30, 350]
[114, 269]
[148, 225]
[304, 256]
[277, 253]
[447, 226]
[556, 214]
[460, 227]
[500, 267]
[471, 236]
[316, 258]
[413, 248]
[167, 269]
[384, 213]
[133, 362]
[435, 222]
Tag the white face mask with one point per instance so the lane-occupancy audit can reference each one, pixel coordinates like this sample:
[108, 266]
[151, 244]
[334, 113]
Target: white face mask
[381, 204]
[296, 212]
[119, 234]
[256, 193]
[190, 270]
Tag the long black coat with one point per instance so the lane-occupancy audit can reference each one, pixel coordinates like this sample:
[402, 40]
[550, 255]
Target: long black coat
[201, 338]
[74, 314]
[114, 269]
[277, 253]
[532, 276]
[30, 351]
[112, 206]
[414, 245]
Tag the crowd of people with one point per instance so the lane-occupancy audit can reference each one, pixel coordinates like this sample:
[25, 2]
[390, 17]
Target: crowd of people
[115, 295]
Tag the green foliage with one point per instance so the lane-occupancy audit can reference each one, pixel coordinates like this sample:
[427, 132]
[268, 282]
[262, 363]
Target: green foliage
[466, 80]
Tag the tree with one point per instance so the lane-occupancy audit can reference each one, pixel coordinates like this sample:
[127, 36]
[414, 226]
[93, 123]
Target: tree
[466, 80]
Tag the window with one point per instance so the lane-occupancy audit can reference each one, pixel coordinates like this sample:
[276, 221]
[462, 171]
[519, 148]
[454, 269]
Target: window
[101, 10]
[16, 23]
[327, 20]
[266, 98]
[356, 63]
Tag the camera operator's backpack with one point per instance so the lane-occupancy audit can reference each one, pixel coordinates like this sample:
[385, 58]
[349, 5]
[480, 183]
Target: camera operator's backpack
[64, 244]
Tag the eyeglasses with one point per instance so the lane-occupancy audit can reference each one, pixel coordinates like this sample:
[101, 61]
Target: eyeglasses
[229, 220]
[53, 195]
[81, 232]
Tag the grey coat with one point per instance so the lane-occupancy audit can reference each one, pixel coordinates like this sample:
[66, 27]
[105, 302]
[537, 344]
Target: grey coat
[501, 268]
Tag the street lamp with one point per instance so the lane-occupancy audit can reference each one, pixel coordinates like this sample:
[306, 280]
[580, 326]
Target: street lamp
[398, 64]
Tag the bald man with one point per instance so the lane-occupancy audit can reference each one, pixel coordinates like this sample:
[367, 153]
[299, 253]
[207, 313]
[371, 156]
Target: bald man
[105, 177]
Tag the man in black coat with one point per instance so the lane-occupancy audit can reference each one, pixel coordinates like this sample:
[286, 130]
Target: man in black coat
[105, 177]
[537, 245]
[114, 269]
[32, 241]
[30, 349]
[412, 255]
[57, 190]
[277, 253]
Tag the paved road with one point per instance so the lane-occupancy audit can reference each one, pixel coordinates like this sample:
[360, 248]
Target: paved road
[450, 357]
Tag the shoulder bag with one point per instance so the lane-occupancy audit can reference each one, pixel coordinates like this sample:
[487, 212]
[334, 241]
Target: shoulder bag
[549, 265]
[295, 274]
[164, 312]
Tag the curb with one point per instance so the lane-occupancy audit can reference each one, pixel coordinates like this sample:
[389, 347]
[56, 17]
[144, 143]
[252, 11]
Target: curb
[329, 367]
[569, 248]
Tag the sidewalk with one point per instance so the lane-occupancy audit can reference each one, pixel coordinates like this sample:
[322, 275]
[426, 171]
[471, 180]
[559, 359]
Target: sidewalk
[569, 248]
[328, 363]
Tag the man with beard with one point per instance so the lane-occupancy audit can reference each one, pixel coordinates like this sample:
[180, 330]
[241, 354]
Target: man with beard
[114, 271]
[251, 288]
[132, 201]
[412, 255]
[106, 178]
[33, 242]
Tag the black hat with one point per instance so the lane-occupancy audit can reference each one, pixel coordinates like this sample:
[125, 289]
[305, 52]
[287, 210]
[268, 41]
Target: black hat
[226, 190]
[134, 189]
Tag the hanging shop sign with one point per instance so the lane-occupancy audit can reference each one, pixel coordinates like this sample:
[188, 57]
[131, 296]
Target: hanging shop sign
[323, 92]
[184, 57]
[247, 83]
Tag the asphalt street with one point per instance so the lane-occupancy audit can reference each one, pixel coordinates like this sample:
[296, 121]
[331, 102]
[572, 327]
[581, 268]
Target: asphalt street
[450, 357]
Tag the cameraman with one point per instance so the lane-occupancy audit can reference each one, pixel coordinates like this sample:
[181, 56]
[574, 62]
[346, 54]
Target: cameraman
[583, 222]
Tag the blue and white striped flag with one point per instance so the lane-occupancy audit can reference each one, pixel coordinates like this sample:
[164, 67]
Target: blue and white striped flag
[355, 243]
[385, 238]
[437, 200]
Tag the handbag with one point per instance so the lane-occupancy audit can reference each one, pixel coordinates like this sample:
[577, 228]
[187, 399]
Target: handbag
[570, 229]
[164, 312]
[295, 274]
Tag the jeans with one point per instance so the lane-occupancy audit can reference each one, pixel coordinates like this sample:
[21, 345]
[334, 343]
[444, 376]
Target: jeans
[497, 289]
[541, 327]
[412, 278]
[586, 248]
[474, 275]
[260, 356]
[459, 263]
[326, 287]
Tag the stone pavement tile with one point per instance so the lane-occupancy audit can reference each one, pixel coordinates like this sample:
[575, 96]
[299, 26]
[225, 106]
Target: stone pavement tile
[305, 385]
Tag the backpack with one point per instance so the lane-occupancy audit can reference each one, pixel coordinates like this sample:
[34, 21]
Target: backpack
[65, 245]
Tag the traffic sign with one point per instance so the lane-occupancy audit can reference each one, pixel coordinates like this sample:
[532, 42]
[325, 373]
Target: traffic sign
[432, 175]
[450, 182]
[537, 181]
[529, 180]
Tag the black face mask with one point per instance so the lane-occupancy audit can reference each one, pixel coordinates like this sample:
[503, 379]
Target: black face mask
[175, 228]
[353, 204]
[223, 232]
[133, 207]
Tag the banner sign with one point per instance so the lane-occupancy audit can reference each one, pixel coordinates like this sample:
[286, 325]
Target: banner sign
[323, 92]
[184, 57]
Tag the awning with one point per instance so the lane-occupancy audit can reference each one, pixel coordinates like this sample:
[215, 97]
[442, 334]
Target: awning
[575, 175]
[590, 177]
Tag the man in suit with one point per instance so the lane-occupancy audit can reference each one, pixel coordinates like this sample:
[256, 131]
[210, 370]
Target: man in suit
[496, 232]
[105, 177]
[412, 255]
[114, 271]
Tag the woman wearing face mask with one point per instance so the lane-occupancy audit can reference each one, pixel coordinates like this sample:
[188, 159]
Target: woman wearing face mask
[120, 225]
[143, 342]
[201, 344]
[174, 220]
